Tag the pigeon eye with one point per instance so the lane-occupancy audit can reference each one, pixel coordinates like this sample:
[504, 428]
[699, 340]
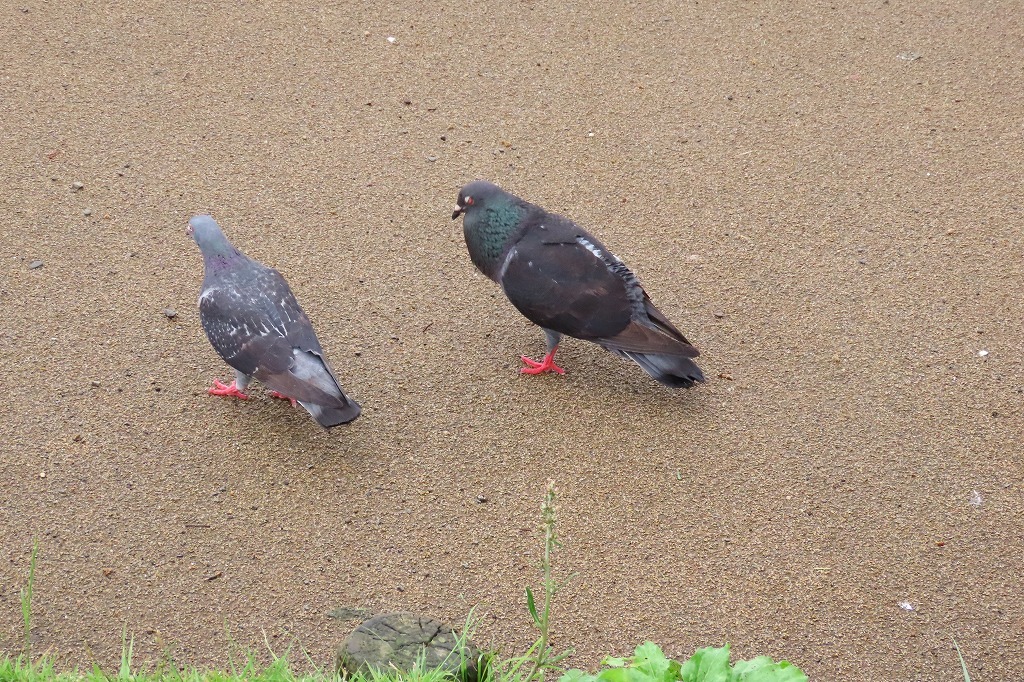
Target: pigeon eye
[469, 201]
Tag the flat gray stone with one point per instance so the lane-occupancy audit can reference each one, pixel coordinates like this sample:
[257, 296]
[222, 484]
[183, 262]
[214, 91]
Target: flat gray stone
[397, 640]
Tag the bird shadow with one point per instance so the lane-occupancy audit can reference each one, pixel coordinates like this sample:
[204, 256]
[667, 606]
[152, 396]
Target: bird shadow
[613, 381]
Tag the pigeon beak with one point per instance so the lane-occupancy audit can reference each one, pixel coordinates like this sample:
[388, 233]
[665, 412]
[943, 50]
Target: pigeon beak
[459, 210]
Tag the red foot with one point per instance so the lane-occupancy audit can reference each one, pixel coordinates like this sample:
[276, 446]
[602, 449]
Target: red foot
[229, 390]
[545, 365]
[282, 396]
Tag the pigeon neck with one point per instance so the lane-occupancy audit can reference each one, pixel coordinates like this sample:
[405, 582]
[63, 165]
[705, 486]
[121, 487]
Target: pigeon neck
[488, 233]
[221, 254]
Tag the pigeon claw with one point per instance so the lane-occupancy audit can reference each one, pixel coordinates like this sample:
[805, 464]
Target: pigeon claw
[282, 396]
[545, 365]
[229, 390]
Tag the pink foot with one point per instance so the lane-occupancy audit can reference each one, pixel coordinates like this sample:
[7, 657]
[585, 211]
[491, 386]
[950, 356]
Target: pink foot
[282, 396]
[545, 365]
[229, 390]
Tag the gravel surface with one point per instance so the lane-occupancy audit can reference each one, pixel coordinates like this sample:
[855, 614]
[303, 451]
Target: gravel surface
[826, 199]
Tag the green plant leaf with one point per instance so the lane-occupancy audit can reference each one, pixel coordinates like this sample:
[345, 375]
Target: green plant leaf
[651, 660]
[614, 662]
[707, 665]
[764, 669]
[577, 675]
[532, 606]
[622, 675]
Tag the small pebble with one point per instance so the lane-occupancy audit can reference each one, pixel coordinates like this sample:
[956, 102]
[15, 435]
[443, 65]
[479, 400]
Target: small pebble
[481, 499]
[982, 353]
[392, 39]
[87, 212]
[94, 383]
[431, 159]
[35, 265]
[719, 315]
[77, 186]
[171, 313]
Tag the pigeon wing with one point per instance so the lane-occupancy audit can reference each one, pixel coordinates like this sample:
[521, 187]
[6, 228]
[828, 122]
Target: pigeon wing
[260, 329]
[558, 283]
[562, 278]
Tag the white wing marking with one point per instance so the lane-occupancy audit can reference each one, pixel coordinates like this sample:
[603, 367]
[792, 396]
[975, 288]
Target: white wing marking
[508, 259]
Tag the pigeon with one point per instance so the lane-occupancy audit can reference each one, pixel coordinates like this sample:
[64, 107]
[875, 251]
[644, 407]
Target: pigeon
[567, 282]
[254, 322]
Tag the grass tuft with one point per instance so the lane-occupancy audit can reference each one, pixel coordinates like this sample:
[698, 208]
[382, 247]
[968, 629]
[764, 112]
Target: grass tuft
[26, 600]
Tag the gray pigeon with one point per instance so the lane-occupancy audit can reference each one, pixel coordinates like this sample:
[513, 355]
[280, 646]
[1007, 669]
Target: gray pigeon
[254, 322]
[565, 281]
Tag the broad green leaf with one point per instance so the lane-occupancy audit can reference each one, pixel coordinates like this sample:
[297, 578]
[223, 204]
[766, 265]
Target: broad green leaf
[532, 606]
[622, 675]
[651, 660]
[614, 662]
[707, 665]
[577, 675]
[764, 669]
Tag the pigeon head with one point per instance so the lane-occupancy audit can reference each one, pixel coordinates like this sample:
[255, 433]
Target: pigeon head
[478, 194]
[491, 217]
[212, 242]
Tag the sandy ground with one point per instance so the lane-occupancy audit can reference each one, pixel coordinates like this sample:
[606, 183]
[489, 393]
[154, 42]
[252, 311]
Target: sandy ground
[826, 199]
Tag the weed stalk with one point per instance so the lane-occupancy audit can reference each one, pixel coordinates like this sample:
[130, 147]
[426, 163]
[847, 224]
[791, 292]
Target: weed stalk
[543, 659]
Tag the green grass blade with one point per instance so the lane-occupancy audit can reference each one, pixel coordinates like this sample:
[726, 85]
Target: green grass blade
[963, 665]
[531, 605]
[26, 598]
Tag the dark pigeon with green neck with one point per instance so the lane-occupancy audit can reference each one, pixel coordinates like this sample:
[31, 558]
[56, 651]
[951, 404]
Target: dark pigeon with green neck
[567, 282]
[253, 321]
[492, 229]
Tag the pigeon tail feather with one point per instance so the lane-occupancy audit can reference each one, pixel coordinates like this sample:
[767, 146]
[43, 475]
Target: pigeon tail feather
[638, 337]
[310, 381]
[674, 371]
[328, 416]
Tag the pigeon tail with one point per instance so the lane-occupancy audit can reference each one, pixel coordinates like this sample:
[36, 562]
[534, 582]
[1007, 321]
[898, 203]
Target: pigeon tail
[329, 415]
[310, 382]
[675, 371]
